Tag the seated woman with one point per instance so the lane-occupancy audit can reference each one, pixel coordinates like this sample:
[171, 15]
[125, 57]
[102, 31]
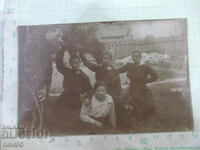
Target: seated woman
[106, 72]
[99, 111]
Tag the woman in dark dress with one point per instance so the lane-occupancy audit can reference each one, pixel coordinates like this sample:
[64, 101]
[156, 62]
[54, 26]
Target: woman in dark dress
[140, 75]
[69, 102]
[105, 72]
[75, 80]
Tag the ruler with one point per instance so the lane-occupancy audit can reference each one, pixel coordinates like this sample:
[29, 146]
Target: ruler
[155, 141]
[147, 141]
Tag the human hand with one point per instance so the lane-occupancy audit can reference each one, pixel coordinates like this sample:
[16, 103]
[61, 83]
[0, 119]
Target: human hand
[128, 107]
[82, 96]
[98, 124]
[86, 102]
[114, 125]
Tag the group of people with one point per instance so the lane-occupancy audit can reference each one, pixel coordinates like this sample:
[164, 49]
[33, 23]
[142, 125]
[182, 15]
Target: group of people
[104, 105]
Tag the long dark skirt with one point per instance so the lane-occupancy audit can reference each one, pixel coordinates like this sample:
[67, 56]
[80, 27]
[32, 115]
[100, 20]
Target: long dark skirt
[69, 100]
[142, 102]
[67, 110]
[123, 116]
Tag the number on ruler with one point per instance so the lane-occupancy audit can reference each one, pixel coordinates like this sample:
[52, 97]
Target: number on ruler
[14, 34]
[9, 11]
[14, 22]
[155, 137]
[181, 136]
[91, 139]
[143, 140]
[130, 138]
[194, 135]
[78, 143]
[169, 136]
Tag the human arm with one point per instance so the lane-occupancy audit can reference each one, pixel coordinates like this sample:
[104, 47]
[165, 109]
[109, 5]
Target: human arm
[123, 68]
[86, 118]
[153, 75]
[86, 85]
[59, 61]
[91, 66]
[112, 115]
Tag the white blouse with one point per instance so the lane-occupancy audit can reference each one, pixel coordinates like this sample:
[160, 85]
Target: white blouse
[99, 109]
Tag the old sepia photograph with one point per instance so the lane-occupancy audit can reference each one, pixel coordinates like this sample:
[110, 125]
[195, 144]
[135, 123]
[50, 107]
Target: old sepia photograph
[116, 77]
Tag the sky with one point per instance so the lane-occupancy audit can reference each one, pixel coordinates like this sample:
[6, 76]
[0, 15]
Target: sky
[141, 29]
[159, 28]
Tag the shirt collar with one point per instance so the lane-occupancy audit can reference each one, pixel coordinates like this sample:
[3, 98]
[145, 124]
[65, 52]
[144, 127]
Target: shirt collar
[99, 103]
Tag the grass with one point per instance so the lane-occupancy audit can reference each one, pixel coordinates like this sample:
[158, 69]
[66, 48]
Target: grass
[173, 109]
[173, 113]
[169, 73]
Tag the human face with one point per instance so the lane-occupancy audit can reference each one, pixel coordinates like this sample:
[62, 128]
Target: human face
[100, 93]
[106, 60]
[136, 58]
[75, 64]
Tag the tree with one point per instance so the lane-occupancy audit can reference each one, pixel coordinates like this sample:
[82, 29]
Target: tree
[35, 64]
[83, 37]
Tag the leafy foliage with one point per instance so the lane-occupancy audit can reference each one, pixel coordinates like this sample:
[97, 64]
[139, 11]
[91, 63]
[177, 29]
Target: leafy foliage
[83, 37]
